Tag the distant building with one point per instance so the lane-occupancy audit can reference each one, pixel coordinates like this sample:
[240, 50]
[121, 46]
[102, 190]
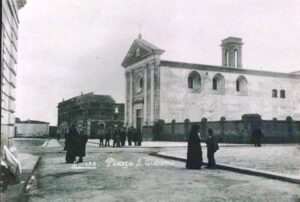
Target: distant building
[53, 131]
[88, 112]
[9, 48]
[32, 128]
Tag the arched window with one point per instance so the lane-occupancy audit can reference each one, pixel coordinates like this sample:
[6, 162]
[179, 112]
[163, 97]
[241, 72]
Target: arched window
[274, 93]
[139, 84]
[219, 83]
[282, 94]
[242, 85]
[236, 57]
[194, 81]
[226, 58]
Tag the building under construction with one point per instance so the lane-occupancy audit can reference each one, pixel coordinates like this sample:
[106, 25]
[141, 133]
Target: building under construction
[88, 112]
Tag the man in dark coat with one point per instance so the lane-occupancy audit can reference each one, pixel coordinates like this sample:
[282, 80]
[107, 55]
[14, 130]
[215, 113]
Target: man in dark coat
[212, 147]
[72, 144]
[123, 136]
[194, 150]
[101, 135]
[107, 137]
[83, 141]
[135, 136]
[118, 137]
[139, 138]
[129, 136]
[257, 136]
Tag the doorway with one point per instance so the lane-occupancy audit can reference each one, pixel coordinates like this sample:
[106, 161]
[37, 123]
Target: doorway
[139, 120]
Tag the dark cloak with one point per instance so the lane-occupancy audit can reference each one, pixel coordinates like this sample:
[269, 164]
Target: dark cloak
[72, 145]
[194, 151]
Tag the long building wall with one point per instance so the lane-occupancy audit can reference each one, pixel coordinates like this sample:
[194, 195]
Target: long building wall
[32, 130]
[178, 102]
[9, 43]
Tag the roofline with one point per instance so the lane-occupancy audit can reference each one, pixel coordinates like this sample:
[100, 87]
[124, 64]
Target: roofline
[226, 69]
[91, 93]
[33, 122]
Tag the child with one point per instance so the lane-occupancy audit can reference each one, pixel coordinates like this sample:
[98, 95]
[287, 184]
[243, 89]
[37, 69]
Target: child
[212, 147]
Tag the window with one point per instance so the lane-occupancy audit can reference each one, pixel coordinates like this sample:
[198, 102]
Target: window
[242, 85]
[274, 93]
[215, 84]
[237, 85]
[226, 58]
[116, 110]
[139, 84]
[219, 84]
[194, 81]
[282, 94]
[235, 57]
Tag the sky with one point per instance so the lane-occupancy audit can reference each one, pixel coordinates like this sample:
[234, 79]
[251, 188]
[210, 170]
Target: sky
[71, 46]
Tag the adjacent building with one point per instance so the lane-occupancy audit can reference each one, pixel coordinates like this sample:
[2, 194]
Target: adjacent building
[9, 48]
[32, 128]
[88, 112]
[173, 91]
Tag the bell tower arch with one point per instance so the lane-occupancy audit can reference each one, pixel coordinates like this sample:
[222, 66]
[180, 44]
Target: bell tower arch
[232, 52]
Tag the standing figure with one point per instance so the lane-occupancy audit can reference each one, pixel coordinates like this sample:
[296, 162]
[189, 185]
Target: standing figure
[135, 136]
[83, 141]
[107, 137]
[139, 138]
[118, 137]
[71, 144]
[114, 137]
[123, 136]
[101, 135]
[129, 136]
[212, 147]
[257, 136]
[194, 150]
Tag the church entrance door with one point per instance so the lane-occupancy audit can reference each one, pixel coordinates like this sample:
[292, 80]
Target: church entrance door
[139, 120]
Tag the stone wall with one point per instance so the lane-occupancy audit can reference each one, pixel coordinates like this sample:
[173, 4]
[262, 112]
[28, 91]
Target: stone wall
[178, 102]
[238, 131]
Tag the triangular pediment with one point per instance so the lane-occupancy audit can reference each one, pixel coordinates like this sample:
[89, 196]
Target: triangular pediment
[139, 50]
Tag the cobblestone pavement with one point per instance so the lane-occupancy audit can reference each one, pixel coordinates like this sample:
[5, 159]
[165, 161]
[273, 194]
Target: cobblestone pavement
[130, 174]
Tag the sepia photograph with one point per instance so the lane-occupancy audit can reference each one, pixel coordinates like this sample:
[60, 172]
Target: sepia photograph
[150, 100]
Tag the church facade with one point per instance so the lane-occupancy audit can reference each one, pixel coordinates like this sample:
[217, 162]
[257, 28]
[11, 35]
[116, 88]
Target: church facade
[176, 91]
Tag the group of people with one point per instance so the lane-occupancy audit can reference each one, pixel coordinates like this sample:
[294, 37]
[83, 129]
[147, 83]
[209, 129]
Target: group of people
[119, 137]
[194, 150]
[75, 144]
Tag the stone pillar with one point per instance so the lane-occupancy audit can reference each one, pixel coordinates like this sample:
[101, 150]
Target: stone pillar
[126, 100]
[152, 93]
[130, 97]
[145, 94]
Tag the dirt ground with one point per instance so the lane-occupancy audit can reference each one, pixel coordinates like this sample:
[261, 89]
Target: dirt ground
[128, 174]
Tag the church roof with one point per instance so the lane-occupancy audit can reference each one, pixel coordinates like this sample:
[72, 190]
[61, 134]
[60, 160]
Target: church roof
[139, 50]
[227, 69]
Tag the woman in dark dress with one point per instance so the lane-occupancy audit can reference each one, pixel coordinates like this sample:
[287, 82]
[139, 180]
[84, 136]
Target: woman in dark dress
[194, 151]
[71, 144]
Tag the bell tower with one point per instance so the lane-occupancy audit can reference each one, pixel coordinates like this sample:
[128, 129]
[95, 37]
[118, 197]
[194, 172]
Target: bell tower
[232, 52]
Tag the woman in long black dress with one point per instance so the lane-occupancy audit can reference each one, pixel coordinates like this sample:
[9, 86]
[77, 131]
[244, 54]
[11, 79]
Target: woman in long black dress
[71, 144]
[194, 151]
